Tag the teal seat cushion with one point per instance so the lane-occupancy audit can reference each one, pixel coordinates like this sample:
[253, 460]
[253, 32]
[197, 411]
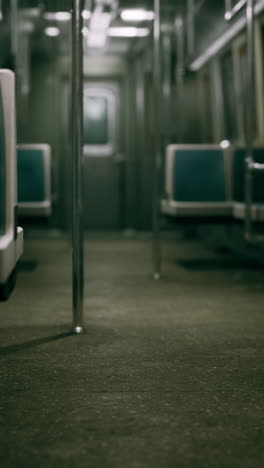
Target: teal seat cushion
[238, 176]
[199, 175]
[31, 175]
[2, 170]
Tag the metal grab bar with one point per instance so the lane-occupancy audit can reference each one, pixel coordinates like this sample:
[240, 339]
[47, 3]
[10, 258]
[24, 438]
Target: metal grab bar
[231, 12]
[77, 168]
[156, 254]
[250, 164]
[253, 166]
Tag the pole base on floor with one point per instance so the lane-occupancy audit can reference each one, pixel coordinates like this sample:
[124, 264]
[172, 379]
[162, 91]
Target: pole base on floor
[156, 276]
[78, 330]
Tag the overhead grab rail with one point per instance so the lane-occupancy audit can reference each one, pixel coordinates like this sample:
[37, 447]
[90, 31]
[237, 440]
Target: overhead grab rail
[231, 12]
[251, 165]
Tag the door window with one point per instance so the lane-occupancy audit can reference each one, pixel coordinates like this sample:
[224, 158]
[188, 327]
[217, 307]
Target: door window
[99, 122]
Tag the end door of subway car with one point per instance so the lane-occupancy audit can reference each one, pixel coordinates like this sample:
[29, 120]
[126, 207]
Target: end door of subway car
[104, 158]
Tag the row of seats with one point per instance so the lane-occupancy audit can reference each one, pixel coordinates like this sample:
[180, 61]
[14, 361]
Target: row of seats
[25, 184]
[208, 181]
[11, 236]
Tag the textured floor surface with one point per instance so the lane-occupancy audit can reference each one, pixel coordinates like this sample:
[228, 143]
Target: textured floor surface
[168, 374]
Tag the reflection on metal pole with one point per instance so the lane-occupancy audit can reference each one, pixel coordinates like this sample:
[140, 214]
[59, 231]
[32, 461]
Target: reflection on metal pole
[14, 28]
[77, 168]
[250, 93]
[157, 145]
[180, 76]
[166, 42]
[190, 28]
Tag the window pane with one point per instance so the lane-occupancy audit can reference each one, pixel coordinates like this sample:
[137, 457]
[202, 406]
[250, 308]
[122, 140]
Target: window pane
[243, 90]
[95, 120]
[207, 108]
[230, 125]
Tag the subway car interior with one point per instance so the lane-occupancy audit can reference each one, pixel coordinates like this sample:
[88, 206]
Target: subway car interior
[132, 233]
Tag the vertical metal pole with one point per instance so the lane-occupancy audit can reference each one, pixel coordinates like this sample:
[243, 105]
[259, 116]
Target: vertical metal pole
[166, 85]
[249, 135]
[228, 8]
[1, 10]
[14, 28]
[77, 168]
[179, 32]
[157, 145]
[191, 27]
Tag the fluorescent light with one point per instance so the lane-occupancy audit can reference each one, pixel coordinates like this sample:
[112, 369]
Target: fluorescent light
[98, 27]
[57, 16]
[86, 14]
[85, 32]
[128, 32]
[137, 15]
[52, 31]
[29, 12]
[225, 144]
[100, 21]
[96, 39]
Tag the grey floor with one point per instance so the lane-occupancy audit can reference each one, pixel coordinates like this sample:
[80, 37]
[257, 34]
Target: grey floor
[168, 373]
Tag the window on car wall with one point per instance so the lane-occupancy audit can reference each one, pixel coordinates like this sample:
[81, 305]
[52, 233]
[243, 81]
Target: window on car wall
[242, 65]
[229, 103]
[207, 113]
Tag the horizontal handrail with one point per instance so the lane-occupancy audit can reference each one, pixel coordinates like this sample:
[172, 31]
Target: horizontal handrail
[231, 12]
[254, 166]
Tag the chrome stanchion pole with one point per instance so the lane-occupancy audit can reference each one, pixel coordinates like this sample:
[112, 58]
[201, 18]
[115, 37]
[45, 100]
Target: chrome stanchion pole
[77, 166]
[249, 134]
[156, 254]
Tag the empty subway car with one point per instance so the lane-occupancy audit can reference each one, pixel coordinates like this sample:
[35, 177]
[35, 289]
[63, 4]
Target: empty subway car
[131, 233]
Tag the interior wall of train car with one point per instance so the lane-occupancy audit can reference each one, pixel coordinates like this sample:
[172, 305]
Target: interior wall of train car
[110, 196]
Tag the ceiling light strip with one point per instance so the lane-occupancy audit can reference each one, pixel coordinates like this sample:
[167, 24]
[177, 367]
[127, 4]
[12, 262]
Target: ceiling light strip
[128, 32]
[135, 15]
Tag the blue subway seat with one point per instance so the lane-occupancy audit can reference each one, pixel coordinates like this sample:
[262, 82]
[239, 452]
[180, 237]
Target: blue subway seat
[34, 179]
[238, 178]
[11, 236]
[2, 170]
[197, 181]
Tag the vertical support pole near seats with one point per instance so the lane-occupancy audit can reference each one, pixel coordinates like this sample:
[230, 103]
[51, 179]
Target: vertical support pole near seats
[190, 28]
[179, 72]
[156, 254]
[249, 135]
[77, 168]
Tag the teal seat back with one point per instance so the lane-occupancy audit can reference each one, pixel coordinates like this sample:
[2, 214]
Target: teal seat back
[2, 171]
[238, 176]
[199, 175]
[31, 175]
